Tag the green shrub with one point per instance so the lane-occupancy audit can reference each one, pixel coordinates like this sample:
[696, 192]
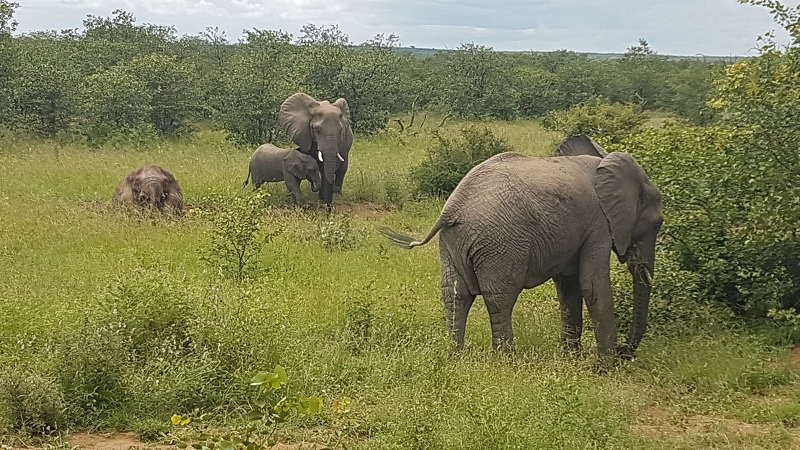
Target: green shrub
[452, 157]
[237, 236]
[90, 364]
[32, 402]
[598, 119]
[338, 233]
[720, 223]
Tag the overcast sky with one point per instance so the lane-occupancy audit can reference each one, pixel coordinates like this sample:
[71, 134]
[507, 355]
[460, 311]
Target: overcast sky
[673, 27]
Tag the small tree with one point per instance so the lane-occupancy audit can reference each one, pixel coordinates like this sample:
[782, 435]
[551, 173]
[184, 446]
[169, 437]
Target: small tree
[236, 238]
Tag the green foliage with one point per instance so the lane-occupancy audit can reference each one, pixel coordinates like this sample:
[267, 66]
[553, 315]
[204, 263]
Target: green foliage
[367, 75]
[91, 362]
[452, 157]
[116, 102]
[731, 191]
[338, 233]
[477, 83]
[237, 236]
[174, 97]
[599, 119]
[255, 80]
[268, 411]
[359, 320]
[32, 402]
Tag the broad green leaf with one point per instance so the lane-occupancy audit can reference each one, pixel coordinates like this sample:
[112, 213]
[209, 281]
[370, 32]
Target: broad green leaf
[254, 415]
[260, 378]
[281, 373]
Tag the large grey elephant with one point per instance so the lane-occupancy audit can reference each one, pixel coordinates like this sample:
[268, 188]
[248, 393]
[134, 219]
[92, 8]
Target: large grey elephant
[270, 163]
[516, 221]
[151, 186]
[321, 129]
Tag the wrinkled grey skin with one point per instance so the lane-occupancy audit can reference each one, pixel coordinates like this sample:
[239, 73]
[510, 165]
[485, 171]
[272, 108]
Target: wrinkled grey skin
[150, 187]
[515, 222]
[270, 163]
[322, 130]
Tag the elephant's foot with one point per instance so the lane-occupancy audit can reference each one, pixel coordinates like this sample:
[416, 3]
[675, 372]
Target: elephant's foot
[607, 364]
[572, 347]
[626, 351]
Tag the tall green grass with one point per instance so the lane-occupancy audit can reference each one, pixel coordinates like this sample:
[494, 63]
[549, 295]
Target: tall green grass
[120, 311]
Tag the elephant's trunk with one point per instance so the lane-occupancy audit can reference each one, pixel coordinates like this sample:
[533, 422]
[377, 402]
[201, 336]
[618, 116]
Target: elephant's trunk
[641, 267]
[329, 165]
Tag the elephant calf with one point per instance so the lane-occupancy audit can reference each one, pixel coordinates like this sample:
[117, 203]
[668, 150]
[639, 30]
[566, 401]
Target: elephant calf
[150, 187]
[270, 163]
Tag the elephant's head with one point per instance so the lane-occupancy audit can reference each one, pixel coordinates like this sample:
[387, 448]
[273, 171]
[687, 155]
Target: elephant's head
[632, 205]
[320, 129]
[304, 167]
[150, 192]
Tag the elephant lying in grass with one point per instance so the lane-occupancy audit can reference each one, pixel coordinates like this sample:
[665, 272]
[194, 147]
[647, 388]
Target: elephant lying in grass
[150, 187]
[270, 163]
[515, 222]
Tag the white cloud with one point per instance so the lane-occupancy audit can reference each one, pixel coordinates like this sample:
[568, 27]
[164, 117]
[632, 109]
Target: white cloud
[688, 27]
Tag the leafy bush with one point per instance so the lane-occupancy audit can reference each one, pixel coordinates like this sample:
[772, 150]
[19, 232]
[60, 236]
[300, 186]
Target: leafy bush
[452, 157]
[598, 119]
[237, 236]
[91, 361]
[676, 303]
[339, 233]
[32, 402]
[721, 221]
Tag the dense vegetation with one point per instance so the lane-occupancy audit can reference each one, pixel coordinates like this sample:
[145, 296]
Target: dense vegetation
[119, 321]
[118, 80]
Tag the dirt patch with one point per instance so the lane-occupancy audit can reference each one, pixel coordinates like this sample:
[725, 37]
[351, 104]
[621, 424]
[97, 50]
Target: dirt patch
[666, 426]
[129, 441]
[365, 210]
[793, 360]
[115, 441]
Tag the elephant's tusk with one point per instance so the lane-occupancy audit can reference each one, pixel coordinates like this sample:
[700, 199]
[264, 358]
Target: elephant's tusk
[319, 156]
[340, 157]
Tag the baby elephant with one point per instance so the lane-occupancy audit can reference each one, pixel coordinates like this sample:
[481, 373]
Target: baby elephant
[270, 163]
[151, 186]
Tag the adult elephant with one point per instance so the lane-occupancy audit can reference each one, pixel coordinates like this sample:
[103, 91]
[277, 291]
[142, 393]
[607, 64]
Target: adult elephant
[321, 129]
[515, 222]
[151, 186]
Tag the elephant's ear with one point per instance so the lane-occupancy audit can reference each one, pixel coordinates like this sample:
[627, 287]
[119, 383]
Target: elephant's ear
[346, 139]
[618, 182]
[295, 119]
[581, 145]
[293, 164]
[342, 104]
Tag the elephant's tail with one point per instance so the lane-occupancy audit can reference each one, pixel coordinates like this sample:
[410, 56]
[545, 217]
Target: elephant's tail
[409, 242]
[247, 180]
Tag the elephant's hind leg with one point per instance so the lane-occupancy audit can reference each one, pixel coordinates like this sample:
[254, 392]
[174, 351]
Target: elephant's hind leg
[571, 300]
[500, 306]
[457, 301]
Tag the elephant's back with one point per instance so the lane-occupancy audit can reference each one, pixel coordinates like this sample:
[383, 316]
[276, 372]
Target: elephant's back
[270, 150]
[505, 182]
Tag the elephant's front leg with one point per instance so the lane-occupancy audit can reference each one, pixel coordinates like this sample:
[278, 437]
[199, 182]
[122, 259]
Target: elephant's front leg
[595, 279]
[571, 300]
[340, 171]
[457, 302]
[500, 307]
[293, 186]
